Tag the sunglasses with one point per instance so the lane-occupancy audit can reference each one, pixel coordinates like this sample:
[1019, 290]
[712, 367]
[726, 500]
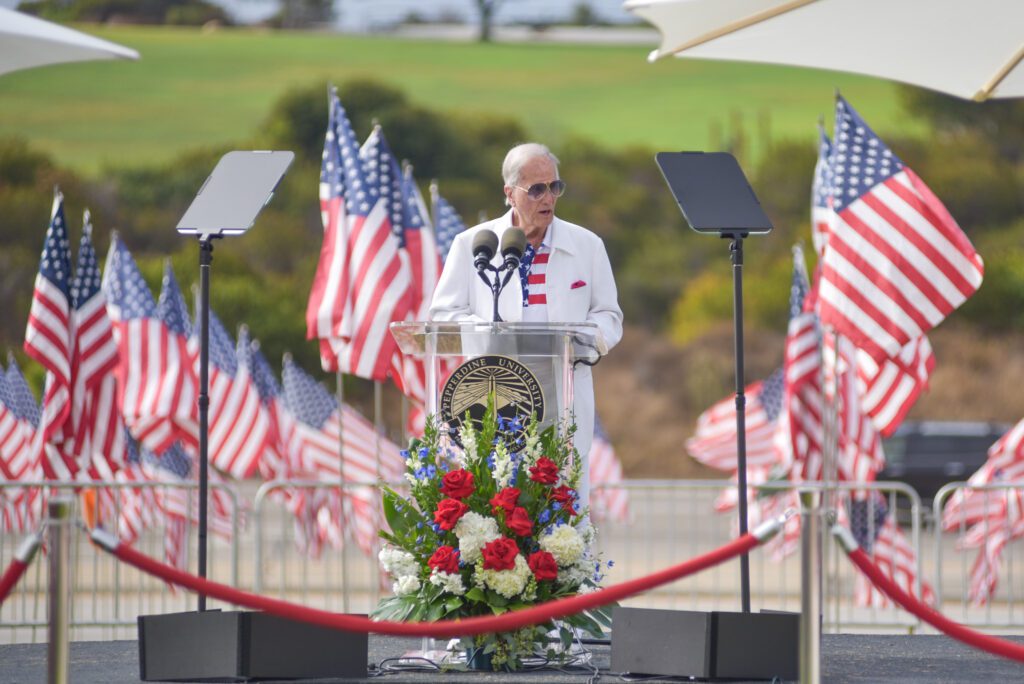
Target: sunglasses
[537, 190]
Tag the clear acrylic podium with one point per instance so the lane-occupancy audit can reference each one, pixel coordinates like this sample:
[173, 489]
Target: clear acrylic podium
[549, 350]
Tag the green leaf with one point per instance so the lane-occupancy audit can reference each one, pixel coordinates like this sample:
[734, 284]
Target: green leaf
[396, 513]
[476, 594]
[453, 604]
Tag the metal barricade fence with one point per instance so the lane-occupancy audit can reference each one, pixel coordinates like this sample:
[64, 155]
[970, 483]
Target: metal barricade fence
[979, 546]
[107, 596]
[673, 520]
[669, 521]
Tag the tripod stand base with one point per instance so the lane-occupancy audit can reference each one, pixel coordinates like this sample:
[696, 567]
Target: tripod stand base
[215, 645]
[715, 644]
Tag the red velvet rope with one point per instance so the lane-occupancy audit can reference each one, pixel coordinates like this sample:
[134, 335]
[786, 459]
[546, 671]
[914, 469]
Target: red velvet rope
[985, 642]
[11, 576]
[442, 629]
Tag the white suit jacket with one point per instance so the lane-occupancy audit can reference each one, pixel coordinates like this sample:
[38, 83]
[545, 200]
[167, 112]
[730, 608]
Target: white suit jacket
[577, 255]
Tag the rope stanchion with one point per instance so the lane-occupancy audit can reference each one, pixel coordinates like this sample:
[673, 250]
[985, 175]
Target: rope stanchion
[979, 640]
[446, 628]
[16, 568]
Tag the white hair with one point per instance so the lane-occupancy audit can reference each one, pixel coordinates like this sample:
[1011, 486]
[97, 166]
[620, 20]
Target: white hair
[519, 155]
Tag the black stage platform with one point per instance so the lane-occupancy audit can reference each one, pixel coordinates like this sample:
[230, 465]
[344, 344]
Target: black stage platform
[845, 658]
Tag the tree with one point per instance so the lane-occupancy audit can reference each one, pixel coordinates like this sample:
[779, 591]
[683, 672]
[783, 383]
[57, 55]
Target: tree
[487, 9]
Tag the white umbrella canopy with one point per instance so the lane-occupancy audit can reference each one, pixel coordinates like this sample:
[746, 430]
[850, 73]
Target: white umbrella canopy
[27, 42]
[969, 48]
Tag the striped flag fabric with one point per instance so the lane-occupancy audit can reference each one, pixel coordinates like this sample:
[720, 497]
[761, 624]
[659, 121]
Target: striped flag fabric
[897, 263]
[803, 393]
[313, 443]
[607, 502]
[894, 555]
[447, 221]
[238, 425]
[714, 442]
[49, 337]
[888, 389]
[328, 311]
[22, 506]
[362, 288]
[97, 425]
[859, 451]
[157, 389]
[16, 434]
[821, 194]
[425, 268]
[25, 408]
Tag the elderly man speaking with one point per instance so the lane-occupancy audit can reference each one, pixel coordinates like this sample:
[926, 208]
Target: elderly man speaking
[565, 275]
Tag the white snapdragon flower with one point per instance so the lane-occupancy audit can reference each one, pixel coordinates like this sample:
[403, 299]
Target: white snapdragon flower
[502, 466]
[473, 531]
[397, 563]
[564, 543]
[408, 584]
[508, 583]
[449, 582]
[467, 435]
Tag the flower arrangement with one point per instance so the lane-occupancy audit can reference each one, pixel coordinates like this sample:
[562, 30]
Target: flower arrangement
[490, 528]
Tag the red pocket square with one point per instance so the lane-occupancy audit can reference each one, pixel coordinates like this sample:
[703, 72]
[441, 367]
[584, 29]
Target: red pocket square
[578, 284]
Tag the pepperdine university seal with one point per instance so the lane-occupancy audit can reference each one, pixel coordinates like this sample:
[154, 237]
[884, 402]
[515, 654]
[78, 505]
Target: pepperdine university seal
[517, 394]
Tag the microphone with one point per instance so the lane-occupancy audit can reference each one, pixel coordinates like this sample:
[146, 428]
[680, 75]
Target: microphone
[513, 244]
[485, 243]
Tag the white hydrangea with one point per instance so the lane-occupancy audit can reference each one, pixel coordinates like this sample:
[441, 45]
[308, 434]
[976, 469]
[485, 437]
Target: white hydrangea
[407, 584]
[564, 543]
[508, 583]
[397, 563]
[581, 570]
[502, 466]
[473, 531]
[449, 582]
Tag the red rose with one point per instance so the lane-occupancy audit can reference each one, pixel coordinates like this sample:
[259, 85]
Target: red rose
[565, 496]
[506, 499]
[545, 472]
[448, 513]
[458, 484]
[543, 565]
[519, 522]
[500, 554]
[445, 559]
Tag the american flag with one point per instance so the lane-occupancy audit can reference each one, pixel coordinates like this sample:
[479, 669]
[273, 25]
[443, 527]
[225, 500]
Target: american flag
[97, 424]
[16, 431]
[447, 222]
[359, 290]
[821, 194]
[22, 507]
[314, 444]
[156, 386]
[238, 425]
[894, 555]
[714, 442]
[425, 267]
[859, 451]
[803, 394]
[990, 519]
[251, 362]
[896, 263]
[329, 312]
[606, 501]
[49, 338]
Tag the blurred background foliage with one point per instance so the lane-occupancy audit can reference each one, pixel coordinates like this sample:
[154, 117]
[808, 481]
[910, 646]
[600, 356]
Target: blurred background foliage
[671, 280]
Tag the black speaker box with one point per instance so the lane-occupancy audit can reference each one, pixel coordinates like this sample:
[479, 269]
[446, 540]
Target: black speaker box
[219, 645]
[710, 645]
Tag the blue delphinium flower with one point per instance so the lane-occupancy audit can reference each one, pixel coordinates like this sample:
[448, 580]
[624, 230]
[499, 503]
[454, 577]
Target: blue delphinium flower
[424, 452]
[404, 454]
[544, 516]
[437, 528]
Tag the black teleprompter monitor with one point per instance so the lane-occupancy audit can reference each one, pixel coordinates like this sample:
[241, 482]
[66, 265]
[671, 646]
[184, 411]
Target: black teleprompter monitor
[713, 193]
[235, 192]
